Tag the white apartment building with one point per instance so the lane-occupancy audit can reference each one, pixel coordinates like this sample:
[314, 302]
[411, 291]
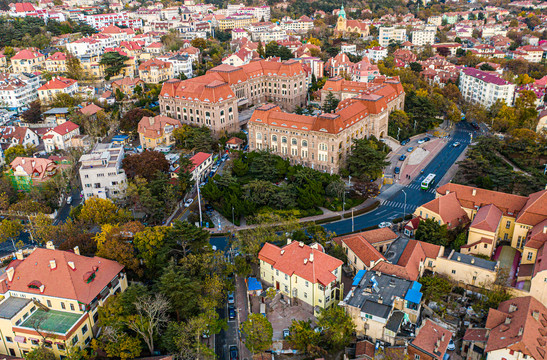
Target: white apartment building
[423, 37]
[101, 173]
[91, 46]
[349, 49]
[99, 21]
[376, 53]
[303, 24]
[485, 88]
[435, 20]
[275, 33]
[182, 64]
[391, 33]
[17, 91]
[258, 12]
[59, 138]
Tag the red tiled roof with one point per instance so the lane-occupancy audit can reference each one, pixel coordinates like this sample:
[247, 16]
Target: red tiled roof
[235, 141]
[478, 334]
[428, 336]
[57, 83]
[374, 236]
[362, 249]
[63, 281]
[199, 159]
[24, 7]
[535, 209]
[537, 236]
[290, 260]
[523, 329]
[90, 109]
[508, 203]
[35, 167]
[152, 127]
[65, 128]
[57, 56]
[487, 218]
[449, 209]
[27, 55]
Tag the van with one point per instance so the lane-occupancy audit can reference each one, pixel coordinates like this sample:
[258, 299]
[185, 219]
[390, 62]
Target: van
[263, 309]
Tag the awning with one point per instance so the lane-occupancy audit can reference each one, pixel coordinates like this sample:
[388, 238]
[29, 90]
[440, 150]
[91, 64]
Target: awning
[413, 296]
[358, 277]
[20, 339]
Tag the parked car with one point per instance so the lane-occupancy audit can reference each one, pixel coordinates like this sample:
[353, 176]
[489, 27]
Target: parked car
[69, 200]
[231, 298]
[397, 170]
[231, 313]
[188, 202]
[234, 353]
[384, 224]
[286, 333]
[456, 144]
[427, 138]
[421, 141]
[451, 346]
[402, 157]
[410, 149]
[404, 142]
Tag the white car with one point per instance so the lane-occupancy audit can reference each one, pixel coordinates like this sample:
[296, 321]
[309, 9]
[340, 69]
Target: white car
[451, 346]
[456, 144]
[188, 202]
[421, 141]
[69, 200]
[384, 224]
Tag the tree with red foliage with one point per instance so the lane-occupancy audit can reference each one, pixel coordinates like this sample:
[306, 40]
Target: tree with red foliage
[145, 164]
[130, 121]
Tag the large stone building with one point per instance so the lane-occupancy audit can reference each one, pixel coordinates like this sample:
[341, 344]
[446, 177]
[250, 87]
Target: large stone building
[345, 26]
[323, 142]
[213, 99]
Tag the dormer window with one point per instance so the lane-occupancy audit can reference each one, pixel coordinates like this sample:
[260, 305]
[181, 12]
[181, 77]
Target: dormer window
[34, 284]
[89, 276]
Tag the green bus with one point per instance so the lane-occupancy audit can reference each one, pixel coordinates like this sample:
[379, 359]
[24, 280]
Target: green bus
[428, 181]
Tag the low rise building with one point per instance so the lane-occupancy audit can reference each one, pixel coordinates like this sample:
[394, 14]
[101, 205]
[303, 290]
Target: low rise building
[423, 37]
[383, 307]
[56, 63]
[127, 85]
[303, 273]
[391, 34]
[155, 71]
[51, 298]
[27, 61]
[17, 91]
[101, 172]
[430, 343]
[485, 88]
[467, 269]
[157, 131]
[59, 138]
[58, 85]
[27, 172]
[202, 163]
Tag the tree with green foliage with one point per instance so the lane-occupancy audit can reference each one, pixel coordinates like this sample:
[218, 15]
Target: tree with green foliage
[416, 67]
[17, 151]
[10, 230]
[260, 50]
[114, 62]
[305, 339]
[74, 68]
[195, 138]
[257, 333]
[337, 328]
[40, 353]
[366, 160]
[432, 232]
[98, 211]
[435, 287]
[331, 103]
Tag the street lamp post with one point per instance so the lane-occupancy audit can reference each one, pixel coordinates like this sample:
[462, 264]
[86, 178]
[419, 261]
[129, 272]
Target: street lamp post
[233, 218]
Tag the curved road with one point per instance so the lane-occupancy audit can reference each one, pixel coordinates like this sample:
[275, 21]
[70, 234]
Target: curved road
[394, 204]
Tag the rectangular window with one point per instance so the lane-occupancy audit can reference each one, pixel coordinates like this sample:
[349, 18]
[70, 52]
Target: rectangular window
[530, 255]
[508, 225]
[9, 339]
[84, 329]
[75, 340]
[453, 271]
[63, 306]
[72, 307]
[416, 357]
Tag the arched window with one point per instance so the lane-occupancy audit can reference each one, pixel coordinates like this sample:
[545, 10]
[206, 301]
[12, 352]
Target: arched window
[258, 136]
[207, 114]
[293, 141]
[221, 112]
[304, 143]
[230, 110]
[274, 138]
[284, 139]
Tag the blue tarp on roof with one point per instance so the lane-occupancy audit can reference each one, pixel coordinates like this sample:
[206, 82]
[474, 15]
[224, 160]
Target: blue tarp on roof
[414, 296]
[253, 284]
[120, 138]
[358, 277]
[416, 286]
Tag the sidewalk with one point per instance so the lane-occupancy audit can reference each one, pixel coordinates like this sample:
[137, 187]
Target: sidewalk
[432, 147]
[243, 313]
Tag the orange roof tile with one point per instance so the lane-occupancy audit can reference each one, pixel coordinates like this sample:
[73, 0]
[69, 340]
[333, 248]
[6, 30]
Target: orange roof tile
[427, 338]
[449, 209]
[487, 218]
[291, 260]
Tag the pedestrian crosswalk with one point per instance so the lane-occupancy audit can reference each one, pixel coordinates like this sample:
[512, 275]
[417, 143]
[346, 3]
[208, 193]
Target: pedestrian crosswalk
[400, 205]
[419, 187]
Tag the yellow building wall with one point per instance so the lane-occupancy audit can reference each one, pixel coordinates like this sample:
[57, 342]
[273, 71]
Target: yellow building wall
[528, 256]
[538, 287]
[465, 273]
[427, 214]
[519, 235]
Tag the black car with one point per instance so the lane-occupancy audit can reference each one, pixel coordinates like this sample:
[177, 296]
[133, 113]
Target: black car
[234, 353]
[404, 142]
[427, 138]
[231, 313]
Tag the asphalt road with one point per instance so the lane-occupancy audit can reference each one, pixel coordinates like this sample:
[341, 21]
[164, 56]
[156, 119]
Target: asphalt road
[394, 205]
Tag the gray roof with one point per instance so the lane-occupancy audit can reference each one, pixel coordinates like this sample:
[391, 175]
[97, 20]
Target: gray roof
[474, 261]
[11, 306]
[396, 249]
[395, 320]
[56, 111]
[389, 287]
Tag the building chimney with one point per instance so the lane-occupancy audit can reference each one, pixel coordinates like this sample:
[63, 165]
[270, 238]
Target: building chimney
[535, 314]
[305, 261]
[23, 161]
[512, 308]
[52, 264]
[10, 273]
[301, 244]
[545, 229]
[474, 192]
[507, 320]
[311, 257]
[72, 265]
[289, 241]
[50, 246]
[19, 254]
[447, 192]
[77, 250]
[521, 331]
[472, 261]
[42, 287]
[282, 252]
